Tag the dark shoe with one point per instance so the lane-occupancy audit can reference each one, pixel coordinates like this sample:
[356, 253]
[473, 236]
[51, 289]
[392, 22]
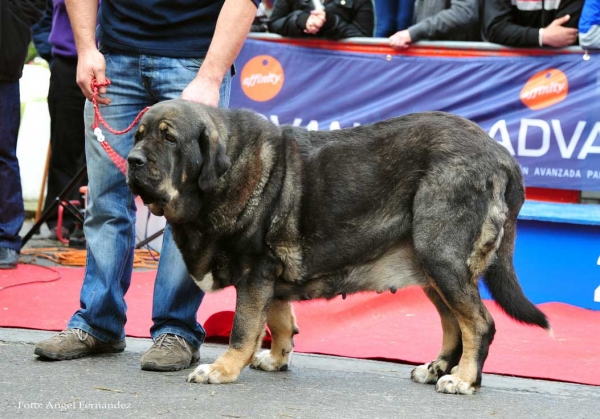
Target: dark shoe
[169, 353]
[77, 239]
[9, 258]
[75, 343]
[64, 231]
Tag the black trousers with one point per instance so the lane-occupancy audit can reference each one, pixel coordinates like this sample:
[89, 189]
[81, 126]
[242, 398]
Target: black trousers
[67, 138]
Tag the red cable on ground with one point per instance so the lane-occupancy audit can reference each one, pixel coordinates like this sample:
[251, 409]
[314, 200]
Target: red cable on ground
[36, 282]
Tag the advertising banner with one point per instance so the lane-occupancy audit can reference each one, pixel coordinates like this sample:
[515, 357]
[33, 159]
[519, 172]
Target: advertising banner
[544, 109]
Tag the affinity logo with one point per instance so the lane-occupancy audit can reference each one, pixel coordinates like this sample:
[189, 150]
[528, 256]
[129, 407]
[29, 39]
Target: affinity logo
[262, 78]
[545, 89]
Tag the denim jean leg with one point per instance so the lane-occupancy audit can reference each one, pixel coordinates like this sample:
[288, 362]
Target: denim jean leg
[110, 213]
[12, 212]
[176, 296]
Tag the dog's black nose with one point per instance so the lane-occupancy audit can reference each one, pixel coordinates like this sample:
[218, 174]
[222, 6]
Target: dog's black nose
[136, 159]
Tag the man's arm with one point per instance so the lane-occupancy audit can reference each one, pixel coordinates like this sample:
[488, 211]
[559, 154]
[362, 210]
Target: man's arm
[28, 11]
[460, 16]
[362, 24]
[16, 19]
[589, 24]
[233, 25]
[286, 21]
[590, 39]
[83, 15]
[500, 28]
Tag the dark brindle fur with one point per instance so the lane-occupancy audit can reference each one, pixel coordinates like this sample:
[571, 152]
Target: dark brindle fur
[284, 214]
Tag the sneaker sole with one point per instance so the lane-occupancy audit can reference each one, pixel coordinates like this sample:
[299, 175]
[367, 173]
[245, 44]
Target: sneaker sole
[153, 366]
[65, 357]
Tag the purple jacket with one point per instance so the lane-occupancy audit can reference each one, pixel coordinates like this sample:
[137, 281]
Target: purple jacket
[61, 35]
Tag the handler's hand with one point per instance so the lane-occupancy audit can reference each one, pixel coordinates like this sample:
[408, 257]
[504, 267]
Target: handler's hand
[203, 90]
[400, 39]
[91, 65]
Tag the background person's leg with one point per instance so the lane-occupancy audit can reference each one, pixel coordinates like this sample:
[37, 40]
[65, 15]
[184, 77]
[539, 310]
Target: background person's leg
[66, 103]
[12, 212]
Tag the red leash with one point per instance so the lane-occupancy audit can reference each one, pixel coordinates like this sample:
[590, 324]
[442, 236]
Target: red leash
[118, 160]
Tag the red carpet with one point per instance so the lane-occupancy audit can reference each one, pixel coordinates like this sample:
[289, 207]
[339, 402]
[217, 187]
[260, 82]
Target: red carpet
[402, 327]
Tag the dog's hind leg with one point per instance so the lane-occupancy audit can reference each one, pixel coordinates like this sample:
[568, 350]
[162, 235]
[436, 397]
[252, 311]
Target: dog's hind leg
[451, 345]
[477, 330]
[282, 324]
[458, 287]
[454, 237]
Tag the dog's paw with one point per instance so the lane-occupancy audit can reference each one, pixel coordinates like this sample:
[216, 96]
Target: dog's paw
[211, 374]
[451, 384]
[266, 361]
[424, 374]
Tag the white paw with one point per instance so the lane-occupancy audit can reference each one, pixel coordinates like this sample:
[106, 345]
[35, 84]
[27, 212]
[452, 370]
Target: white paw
[207, 374]
[451, 384]
[423, 375]
[267, 362]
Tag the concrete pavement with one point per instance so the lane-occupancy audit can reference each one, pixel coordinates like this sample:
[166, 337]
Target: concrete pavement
[111, 386]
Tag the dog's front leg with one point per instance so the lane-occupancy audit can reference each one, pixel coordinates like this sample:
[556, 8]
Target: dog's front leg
[254, 296]
[282, 324]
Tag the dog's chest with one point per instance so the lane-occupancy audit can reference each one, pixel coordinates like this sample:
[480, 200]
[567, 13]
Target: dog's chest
[205, 283]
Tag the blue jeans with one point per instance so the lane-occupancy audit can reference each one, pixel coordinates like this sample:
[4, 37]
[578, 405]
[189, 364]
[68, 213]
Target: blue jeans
[12, 212]
[392, 16]
[137, 81]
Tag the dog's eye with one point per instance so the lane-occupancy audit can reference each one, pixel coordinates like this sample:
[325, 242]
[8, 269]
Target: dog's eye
[169, 138]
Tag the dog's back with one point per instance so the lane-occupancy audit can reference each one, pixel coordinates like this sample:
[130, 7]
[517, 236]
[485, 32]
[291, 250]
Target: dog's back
[361, 185]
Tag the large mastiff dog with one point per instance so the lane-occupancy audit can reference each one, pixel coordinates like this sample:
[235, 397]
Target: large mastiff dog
[284, 214]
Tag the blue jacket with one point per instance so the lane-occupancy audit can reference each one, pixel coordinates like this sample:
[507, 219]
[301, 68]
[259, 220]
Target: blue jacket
[589, 24]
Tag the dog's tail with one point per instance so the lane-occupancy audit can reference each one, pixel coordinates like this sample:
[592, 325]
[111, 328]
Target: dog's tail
[500, 277]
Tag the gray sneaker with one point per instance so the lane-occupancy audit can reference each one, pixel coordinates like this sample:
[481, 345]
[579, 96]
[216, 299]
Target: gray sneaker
[169, 353]
[74, 343]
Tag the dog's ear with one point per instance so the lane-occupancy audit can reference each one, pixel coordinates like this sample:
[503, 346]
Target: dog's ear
[214, 155]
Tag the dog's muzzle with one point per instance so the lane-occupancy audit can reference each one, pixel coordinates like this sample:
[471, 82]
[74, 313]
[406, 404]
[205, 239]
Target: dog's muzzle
[137, 179]
[136, 159]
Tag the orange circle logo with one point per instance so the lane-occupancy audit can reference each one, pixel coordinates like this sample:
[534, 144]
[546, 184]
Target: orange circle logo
[545, 89]
[262, 78]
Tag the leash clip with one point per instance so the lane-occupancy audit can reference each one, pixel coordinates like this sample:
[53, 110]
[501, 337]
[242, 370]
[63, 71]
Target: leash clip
[99, 135]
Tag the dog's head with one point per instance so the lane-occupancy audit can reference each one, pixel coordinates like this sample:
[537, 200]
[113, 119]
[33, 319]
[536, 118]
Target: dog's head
[179, 154]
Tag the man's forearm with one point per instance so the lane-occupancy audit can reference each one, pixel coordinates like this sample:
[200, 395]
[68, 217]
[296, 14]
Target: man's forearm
[462, 15]
[83, 15]
[232, 29]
